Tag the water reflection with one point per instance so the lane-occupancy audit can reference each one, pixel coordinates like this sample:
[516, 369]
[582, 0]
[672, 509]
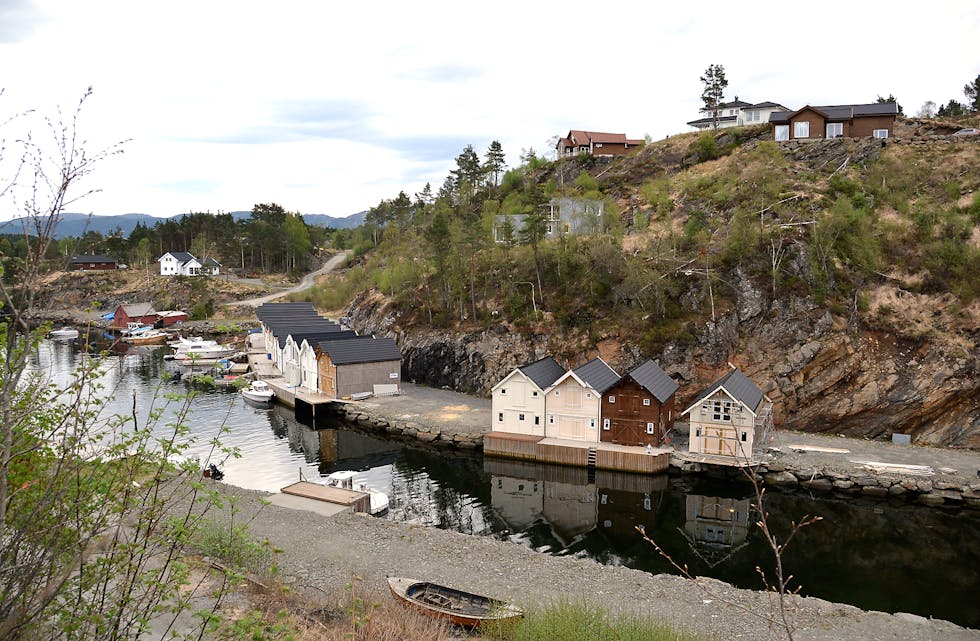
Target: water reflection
[716, 527]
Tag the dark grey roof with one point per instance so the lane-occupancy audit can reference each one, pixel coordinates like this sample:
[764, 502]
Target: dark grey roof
[351, 352]
[733, 103]
[92, 258]
[739, 386]
[209, 262]
[704, 121]
[314, 335]
[597, 375]
[181, 256]
[278, 309]
[763, 105]
[285, 325]
[841, 112]
[650, 376]
[543, 372]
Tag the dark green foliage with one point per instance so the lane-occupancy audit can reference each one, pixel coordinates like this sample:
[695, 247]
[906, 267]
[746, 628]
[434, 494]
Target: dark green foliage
[706, 147]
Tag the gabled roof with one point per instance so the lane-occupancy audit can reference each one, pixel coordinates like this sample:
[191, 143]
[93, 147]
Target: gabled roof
[210, 262]
[138, 309]
[314, 335]
[543, 372]
[841, 112]
[270, 310]
[738, 386]
[351, 352]
[578, 137]
[766, 105]
[653, 379]
[597, 375]
[704, 121]
[91, 258]
[181, 257]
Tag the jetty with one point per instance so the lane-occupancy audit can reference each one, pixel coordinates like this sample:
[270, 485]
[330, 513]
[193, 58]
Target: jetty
[306, 495]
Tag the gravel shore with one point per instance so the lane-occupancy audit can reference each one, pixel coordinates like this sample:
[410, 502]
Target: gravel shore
[325, 553]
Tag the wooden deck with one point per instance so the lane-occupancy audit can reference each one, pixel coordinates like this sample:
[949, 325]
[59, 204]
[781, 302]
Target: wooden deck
[357, 501]
[600, 456]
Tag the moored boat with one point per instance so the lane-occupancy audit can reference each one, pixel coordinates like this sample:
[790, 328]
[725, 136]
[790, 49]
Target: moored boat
[64, 334]
[462, 608]
[147, 337]
[258, 392]
[199, 348]
[345, 479]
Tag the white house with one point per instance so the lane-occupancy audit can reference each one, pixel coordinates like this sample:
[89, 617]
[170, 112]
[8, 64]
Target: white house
[736, 113]
[731, 418]
[184, 264]
[574, 401]
[518, 401]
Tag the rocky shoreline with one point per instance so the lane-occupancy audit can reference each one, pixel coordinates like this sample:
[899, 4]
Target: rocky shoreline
[950, 488]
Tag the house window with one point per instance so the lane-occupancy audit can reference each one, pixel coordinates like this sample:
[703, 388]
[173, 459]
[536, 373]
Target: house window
[782, 132]
[549, 229]
[612, 399]
[551, 419]
[588, 395]
[598, 144]
[591, 423]
[880, 133]
[743, 436]
[646, 402]
[537, 420]
[649, 428]
[605, 424]
[801, 129]
[697, 432]
[503, 391]
[520, 417]
[721, 411]
[835, 129]
[557, 392]
[500, 417]
[534, 394]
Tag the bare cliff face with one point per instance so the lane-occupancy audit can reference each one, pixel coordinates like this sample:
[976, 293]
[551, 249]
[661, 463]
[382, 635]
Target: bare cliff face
[908, 364]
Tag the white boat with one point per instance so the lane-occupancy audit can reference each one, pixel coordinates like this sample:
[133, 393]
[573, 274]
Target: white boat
[344, 479]
[64, 334]
[146, 337]
[258, 392]
[197, 348]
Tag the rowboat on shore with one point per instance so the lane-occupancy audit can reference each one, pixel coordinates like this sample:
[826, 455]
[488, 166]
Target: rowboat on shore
[462, 608]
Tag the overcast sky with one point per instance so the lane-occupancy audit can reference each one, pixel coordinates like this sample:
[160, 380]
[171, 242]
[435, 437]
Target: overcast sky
[328, 108]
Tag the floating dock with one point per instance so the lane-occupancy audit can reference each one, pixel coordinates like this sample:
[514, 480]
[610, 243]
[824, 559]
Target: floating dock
[599, 456]
[347, 499]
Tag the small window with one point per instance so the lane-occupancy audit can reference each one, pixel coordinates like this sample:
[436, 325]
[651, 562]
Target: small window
[588, 395]
[697, 432]
[646, 402]
[520, 417]
[534, 393]
[801, 129]
[551, 419]
[880, 133]
[598, 144]
[649, 428]
[744, 435]
[537, 420]
[591, 423]
[557, 392]
[605, 424]
[612, 399]
[500, 417]
[503, 391]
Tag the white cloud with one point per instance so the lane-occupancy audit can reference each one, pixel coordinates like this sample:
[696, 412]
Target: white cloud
[328, 108]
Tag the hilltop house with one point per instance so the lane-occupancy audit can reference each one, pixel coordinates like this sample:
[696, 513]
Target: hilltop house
[92, 262]
[736, 114]
[732, 418]
[574, 401]
[638, 409]
[184, 264]
[561, 216]
[835, 121]
[596, 143]
[518, 400]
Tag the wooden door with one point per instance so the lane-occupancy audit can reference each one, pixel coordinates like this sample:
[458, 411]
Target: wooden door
[717, 440]
[571, 427]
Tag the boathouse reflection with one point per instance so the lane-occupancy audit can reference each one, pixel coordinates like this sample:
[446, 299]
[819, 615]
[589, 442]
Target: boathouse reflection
[716, 527]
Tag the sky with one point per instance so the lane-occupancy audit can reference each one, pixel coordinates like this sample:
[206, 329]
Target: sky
[328, 108]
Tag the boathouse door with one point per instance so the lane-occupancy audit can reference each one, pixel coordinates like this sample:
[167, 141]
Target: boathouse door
[571, 427]
[718, 440]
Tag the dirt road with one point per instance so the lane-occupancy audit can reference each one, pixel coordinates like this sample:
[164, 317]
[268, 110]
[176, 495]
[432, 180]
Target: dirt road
[303, 285]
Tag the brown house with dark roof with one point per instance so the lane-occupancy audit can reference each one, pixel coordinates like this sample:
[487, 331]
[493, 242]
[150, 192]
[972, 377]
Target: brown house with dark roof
[596, 143]
[92, 262]
[639, 408]
[835, 121]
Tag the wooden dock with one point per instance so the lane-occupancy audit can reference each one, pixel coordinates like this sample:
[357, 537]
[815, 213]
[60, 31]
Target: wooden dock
[599, 456]
[355, 501]
[304, 402]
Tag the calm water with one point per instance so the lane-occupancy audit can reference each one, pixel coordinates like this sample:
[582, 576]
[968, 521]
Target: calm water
[874, 555]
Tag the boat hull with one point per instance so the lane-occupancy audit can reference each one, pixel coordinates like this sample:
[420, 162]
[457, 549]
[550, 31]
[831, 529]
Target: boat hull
[462, 608]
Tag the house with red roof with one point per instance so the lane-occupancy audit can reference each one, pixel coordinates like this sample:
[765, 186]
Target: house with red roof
[596, 143]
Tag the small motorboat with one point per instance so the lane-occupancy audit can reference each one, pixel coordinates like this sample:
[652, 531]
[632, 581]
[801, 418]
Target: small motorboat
[64, 334]
[147, 337]
[462, 608]
[200, 349]
[258, 392]
[344, 479]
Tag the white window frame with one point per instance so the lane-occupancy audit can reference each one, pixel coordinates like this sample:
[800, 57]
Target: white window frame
[612, 399]
[646, 402]
[537, 420]
[534, 393]
[650, 428]
[503, 391]
[500, 417]
[801, 129]
[591, 423]
[880, 133]
[551, 419]
[588, 395]
[520, 417]
[838, 130]
[605, 424]
[782, 132]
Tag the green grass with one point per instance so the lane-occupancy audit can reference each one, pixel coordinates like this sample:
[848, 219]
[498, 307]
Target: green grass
[584, 622]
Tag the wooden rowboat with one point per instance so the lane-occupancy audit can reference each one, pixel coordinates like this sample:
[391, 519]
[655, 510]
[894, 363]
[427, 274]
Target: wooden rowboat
[455, 605]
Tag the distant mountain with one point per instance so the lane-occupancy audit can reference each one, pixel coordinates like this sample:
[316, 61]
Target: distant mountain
[78, 224]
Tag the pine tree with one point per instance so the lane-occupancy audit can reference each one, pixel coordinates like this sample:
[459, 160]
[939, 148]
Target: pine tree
[495, 162]
[972, 91]
[714, 90]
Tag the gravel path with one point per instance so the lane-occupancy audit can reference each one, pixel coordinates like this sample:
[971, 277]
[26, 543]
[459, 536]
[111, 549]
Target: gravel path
[325, 553]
